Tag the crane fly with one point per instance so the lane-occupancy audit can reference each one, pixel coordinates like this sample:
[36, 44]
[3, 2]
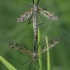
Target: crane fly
[33, 11]
[34, 55]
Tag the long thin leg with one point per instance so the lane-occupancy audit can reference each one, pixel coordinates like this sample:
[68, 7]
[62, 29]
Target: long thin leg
[28, 5]
[37, 2]
[25, 62]
[42, 20]
[25, 46]
[30, 65]
[43, 59]
[33, 1]
[38, 63]
[30, 20]
[41, 44]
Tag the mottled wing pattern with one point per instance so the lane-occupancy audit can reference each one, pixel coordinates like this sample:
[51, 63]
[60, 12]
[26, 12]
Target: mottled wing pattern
[47, 14]
[25, 16]
[51, 44]
[19, 47]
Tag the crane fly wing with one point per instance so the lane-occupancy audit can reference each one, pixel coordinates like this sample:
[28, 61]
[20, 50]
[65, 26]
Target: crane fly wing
[19, 47]
[25, 16]
[51, 44]
[47, 14]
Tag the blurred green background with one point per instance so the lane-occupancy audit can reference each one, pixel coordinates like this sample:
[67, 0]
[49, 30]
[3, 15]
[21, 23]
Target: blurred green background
[10, 30]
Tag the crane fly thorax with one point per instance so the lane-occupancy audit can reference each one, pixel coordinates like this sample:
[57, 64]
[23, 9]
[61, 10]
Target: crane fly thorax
[35, 7]
[34, 56]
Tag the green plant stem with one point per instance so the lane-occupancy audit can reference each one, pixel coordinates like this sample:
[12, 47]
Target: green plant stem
[48, 55]
[40, 61]
[35, 1]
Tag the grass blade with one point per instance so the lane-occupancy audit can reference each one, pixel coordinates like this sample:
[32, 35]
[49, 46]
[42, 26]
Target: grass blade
[48, 55]
[40, 61]
[7, 64]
